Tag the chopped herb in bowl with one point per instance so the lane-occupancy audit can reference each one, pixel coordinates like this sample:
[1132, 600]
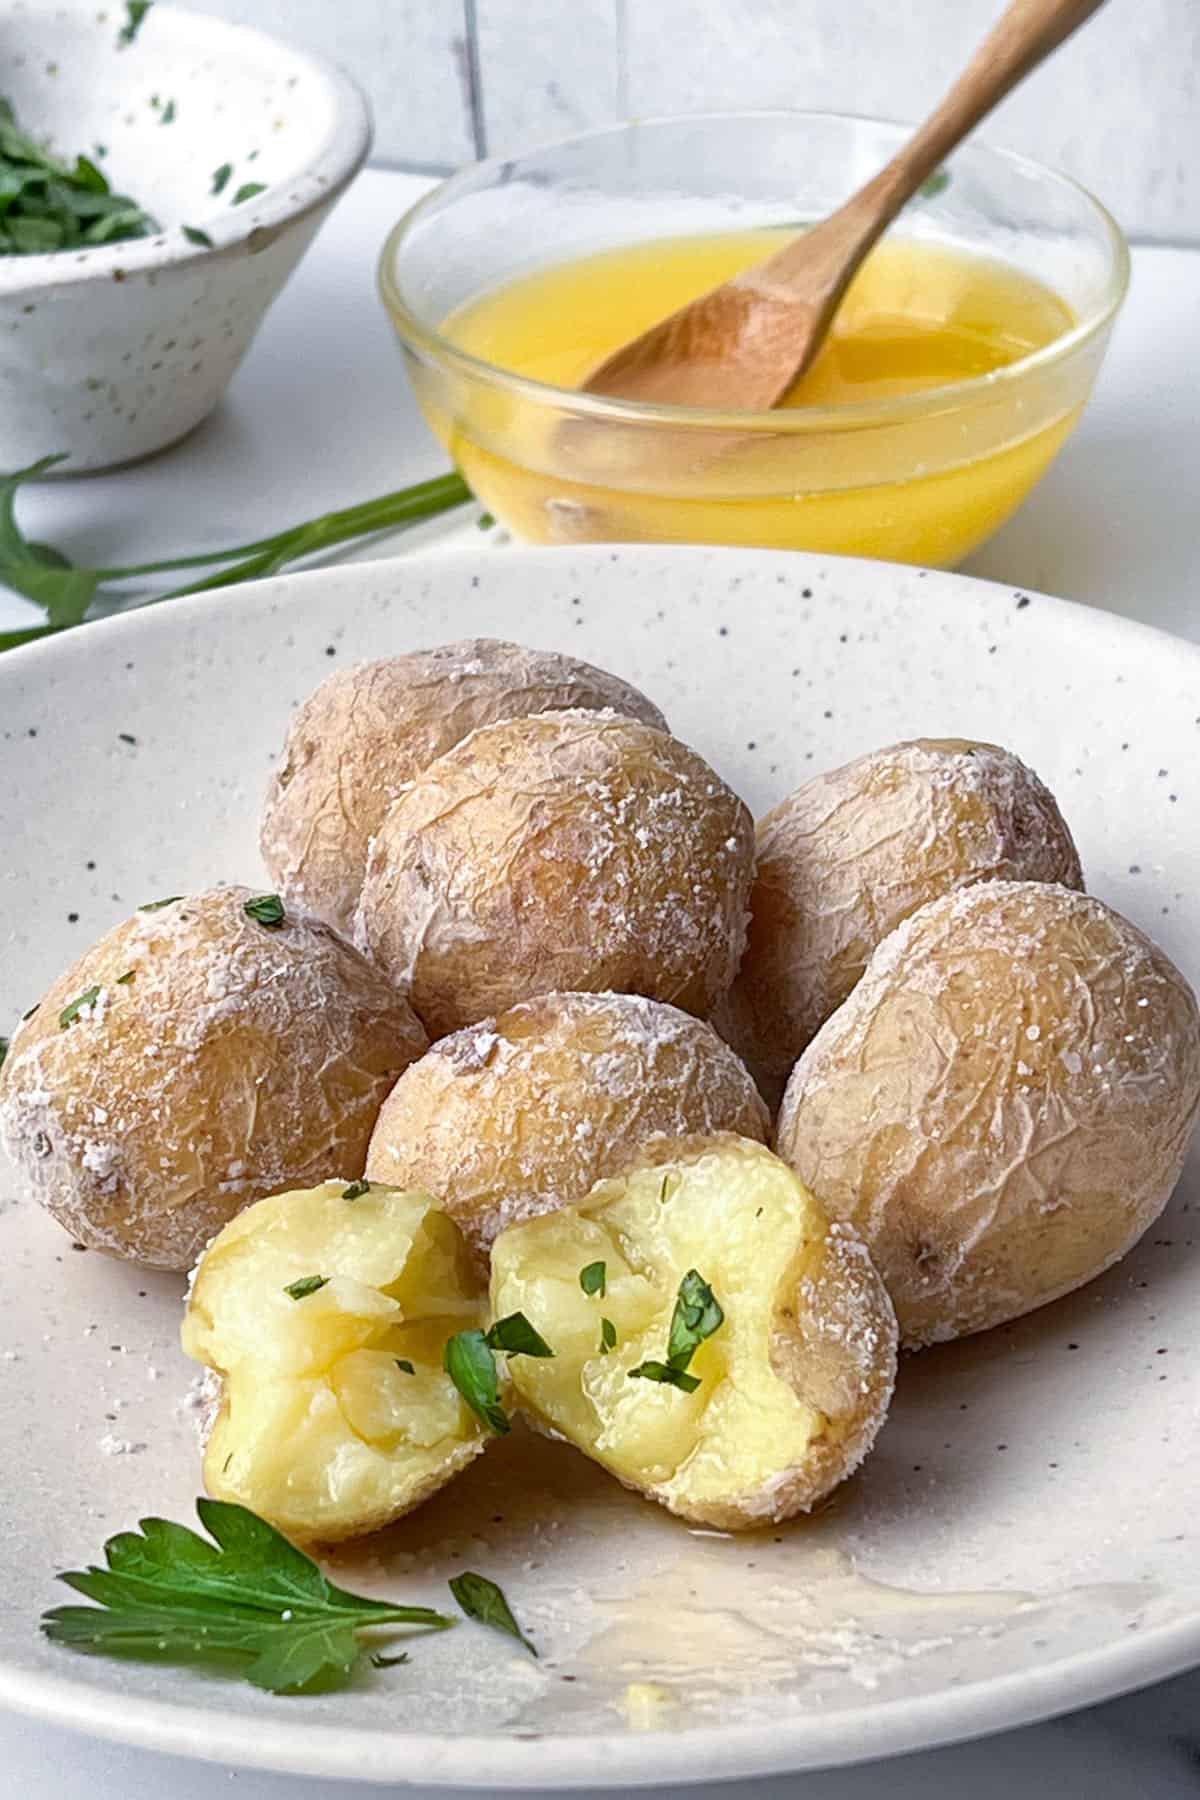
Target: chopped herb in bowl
[48, 205]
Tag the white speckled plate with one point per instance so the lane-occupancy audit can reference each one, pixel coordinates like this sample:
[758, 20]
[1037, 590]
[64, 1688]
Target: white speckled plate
[1025, 1537]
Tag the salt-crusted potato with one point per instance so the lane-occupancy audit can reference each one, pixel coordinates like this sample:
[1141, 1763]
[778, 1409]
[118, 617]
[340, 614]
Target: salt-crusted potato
[780, 1399]
[851, 854]
[573, 851]
[324, 1315]
[524, 1113]
[368, 730]
[193, 1060]
[1003, 1104]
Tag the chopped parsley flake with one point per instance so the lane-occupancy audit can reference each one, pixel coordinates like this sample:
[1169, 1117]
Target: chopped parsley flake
[307, 1284]
[265, 909]
[135, 13]
[81, 1002]
[517, 1336]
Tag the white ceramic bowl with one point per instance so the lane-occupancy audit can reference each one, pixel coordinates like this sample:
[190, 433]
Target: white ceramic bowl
[111, 353]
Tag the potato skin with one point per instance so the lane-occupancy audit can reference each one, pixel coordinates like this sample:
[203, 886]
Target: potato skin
[522, 1114]
[1003, 1104]
[369, 730]
[238, 1059]
[826, 1331]
[569, 852]
[848, 856]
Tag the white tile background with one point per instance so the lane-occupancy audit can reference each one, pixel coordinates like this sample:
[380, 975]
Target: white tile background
[1119, 108]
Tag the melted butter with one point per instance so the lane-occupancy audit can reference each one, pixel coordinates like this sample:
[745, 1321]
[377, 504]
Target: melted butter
[918, 316]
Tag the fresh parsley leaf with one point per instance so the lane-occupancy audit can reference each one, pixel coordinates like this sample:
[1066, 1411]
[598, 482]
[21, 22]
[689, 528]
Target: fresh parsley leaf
[485, 521]
[307, 1284]
[402, 1362]
[356, 1190]
[157, 905]
[608, 1336]
[168, 114]
[594, 1279]
[517, 1336]
[248, 190]
[265, 909]
[38, 572]
[661, 1371]
[469, 1363]
[697, 1315]
[3, 1050]
[194, 235]
[937, 184]
[135, 13]
[70, 1013]
[220, 177]
[47, 204]
[481, 1599]
[249, 1598]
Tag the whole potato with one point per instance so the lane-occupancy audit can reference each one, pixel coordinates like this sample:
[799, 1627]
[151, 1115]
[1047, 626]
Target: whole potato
[324, 1317]
[780, 1384]
[572, 851]
[193, 1060]
[523, 1114]
[369, 730]
[851, 854]
[1003, 1104]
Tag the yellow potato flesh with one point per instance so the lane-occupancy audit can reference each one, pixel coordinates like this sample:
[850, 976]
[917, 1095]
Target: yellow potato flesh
[320, 1429]
[745, 1225]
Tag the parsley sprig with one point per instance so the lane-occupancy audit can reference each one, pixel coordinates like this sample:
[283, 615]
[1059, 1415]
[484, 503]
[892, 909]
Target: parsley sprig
[249, 1598]
[72, 594]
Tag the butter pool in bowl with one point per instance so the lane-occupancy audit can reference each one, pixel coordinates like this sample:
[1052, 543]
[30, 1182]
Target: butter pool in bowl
[957, 368]
[234, 143]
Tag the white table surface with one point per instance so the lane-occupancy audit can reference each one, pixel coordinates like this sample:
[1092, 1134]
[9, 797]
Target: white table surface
[319, 417]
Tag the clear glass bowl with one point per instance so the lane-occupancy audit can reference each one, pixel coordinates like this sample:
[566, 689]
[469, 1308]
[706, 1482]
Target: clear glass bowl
[922, 477]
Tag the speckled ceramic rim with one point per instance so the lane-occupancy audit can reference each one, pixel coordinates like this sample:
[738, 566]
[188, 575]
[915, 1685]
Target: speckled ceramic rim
[430, 343]
[326, 172]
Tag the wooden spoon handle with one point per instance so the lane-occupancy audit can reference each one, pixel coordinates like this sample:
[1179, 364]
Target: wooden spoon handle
[1023, 37]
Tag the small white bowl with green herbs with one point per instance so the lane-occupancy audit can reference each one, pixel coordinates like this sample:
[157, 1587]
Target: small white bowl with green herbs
[161, 174]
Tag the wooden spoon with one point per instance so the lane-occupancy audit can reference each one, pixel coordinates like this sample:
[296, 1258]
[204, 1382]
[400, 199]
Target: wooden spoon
[742, 346]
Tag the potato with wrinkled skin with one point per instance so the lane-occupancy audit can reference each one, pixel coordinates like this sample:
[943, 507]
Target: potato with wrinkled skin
[524, 1113]
[787, 1392]
[1002, 1106]
[572, 851]
[369, 730]
[334, 1415]
[193, 1060]
[848, 856]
